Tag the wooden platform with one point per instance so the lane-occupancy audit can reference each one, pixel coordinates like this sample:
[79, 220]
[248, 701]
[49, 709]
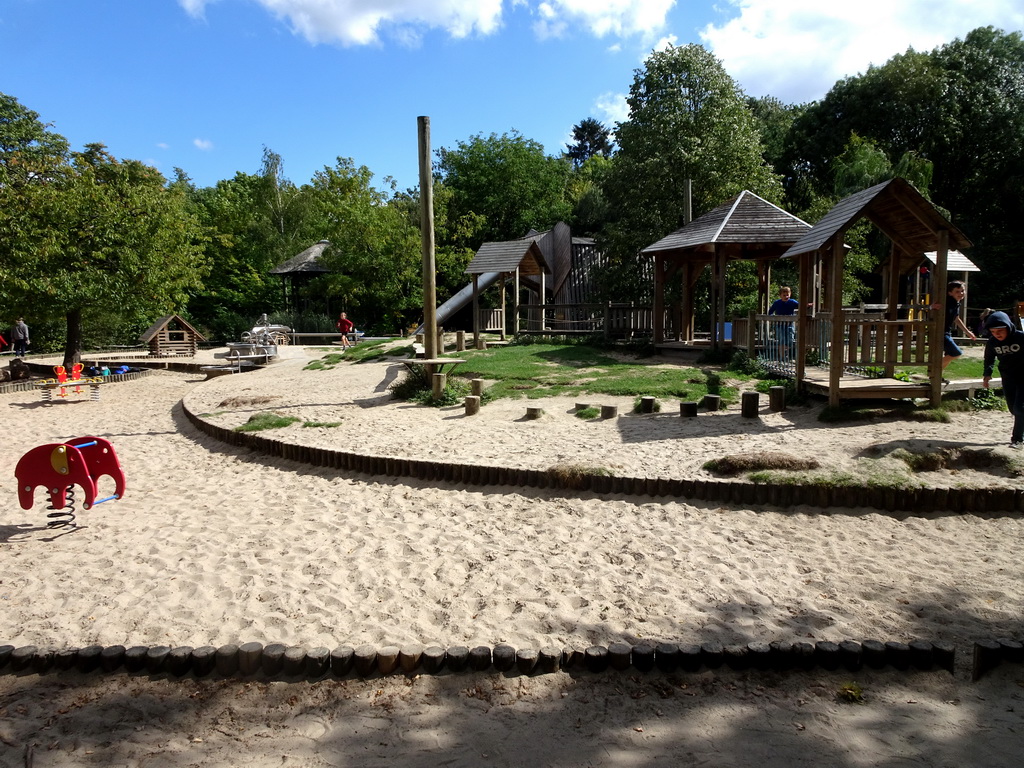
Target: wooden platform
[856, 387]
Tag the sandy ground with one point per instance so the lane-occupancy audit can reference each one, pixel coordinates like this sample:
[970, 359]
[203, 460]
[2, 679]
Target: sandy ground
[213, 545]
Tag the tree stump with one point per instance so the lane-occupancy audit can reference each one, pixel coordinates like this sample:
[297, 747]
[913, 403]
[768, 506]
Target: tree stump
[582, 406]
[749, 404]
[409, 657]
[609, 411]
[249, 657]
[688, 409]
[341, 660]
[472, 405]
[476, 387]
[777, 398]
[387, 659]
[534, 412]
[273, 659]
[712, 402]
[647, 404]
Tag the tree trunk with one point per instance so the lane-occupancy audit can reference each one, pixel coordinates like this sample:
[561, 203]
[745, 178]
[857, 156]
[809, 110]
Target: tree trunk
[73, 347]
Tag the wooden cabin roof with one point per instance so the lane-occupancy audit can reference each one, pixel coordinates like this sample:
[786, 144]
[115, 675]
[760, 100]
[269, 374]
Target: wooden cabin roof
[896, 208]
[162, 323]
[305, 262]
[746, 220]
[508, 255]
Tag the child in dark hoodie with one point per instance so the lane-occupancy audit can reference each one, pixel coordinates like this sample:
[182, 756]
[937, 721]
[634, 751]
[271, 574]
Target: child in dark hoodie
[1007, 344]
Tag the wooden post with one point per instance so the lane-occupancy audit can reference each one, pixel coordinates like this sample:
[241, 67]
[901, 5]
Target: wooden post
[472, 404]
[427, 237]
[688, 409]
[516, 306]
[476, 387]
[609, 411]
[437, 383]
[647, 404]
[712, 402]
[476, 312]
[659, 298]
[777, 398]
[749, 404]
[534, 412]
[835, 302]
[460, 341]
[935, 341]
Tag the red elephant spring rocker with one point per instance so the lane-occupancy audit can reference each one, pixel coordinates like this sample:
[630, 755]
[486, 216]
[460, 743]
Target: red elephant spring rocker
[58, 467]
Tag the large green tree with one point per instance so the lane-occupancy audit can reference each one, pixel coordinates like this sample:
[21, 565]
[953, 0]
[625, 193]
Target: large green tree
[506, 183]
[589, 138]
[687, 120]
[90, 238]
[961, 107]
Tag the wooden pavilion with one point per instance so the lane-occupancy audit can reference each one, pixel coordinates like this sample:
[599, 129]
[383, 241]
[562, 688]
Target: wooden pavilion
[511, 259]
[857, 355]
[747, 227]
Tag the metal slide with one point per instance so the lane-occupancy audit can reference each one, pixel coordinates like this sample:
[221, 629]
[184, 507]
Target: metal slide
[462, 298]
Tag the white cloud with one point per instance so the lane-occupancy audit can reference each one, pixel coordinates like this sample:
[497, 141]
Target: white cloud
[611, 108]
[797, 49]
[163, 145]
[363, 22]
[204, 144]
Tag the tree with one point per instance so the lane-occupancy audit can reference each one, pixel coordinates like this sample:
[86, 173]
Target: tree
[506, 183]
[687, 121]
[960, 107]
[108, 238]
[374, 257]
[590, 139]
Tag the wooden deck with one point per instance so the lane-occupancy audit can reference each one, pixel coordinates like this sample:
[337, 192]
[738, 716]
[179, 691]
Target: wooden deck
[854, 387]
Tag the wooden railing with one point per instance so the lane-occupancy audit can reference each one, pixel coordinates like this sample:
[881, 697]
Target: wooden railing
[609, 320]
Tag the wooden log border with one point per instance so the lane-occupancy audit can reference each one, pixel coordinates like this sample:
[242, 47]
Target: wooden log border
[254, 660]
[918, 500]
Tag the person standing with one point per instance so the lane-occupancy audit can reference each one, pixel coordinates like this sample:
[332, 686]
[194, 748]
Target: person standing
[956, 292]
[1006, 343]
[345, 327]
[19, 337]
[785, 306]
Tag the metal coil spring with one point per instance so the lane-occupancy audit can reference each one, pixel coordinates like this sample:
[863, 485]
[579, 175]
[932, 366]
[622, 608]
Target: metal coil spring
[58, 518]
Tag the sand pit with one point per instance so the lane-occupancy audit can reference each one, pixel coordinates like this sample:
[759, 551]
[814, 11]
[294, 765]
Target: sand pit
[214, 545]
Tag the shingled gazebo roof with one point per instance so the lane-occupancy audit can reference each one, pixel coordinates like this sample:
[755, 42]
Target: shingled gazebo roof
[507, 256]
[747, 226]
[902, 213]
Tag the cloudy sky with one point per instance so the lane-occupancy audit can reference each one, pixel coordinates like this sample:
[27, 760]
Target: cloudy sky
[204, 85]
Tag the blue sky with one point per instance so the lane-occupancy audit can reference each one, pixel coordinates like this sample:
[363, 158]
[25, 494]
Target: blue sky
[204, 85]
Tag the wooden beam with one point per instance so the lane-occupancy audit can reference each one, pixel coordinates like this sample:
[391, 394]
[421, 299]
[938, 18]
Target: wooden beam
[835, 301]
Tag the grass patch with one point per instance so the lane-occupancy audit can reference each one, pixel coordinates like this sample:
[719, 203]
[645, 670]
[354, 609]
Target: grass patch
[266, 420]
[413, 388]
[325, 424]
[590, 412]
[850, 693]
[736, 464]
[575, 475]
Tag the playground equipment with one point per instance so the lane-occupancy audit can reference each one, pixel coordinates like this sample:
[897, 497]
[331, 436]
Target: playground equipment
[58, 467]
[62, 381]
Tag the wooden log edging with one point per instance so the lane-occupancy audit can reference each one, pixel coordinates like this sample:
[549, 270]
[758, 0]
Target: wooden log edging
[296, 662]
[920, 500]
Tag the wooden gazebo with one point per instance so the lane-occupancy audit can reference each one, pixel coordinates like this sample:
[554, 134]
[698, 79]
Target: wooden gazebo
[747, 227]
[846, 343]
[511, 259]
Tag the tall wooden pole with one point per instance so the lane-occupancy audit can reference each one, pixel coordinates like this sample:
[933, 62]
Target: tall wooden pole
[427, 235]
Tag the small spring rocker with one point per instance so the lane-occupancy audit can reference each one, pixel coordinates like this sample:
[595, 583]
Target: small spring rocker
[58, 467]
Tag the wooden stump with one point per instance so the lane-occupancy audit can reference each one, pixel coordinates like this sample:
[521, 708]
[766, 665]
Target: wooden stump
[503, 657]
[688, 409]
[749, 404]
[476, 387]
[249, 657]
[294, 662]
[647, 404]
[609, 411]
[409, 657]
[472, 405]
[273, 659]
[582, 406]
[534, 412]
[341, 660]
[712, 402]
[387, 659]
[777, 398]
[460, 341]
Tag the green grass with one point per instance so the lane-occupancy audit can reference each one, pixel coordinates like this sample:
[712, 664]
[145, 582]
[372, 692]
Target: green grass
[538, 370]
[265, 420]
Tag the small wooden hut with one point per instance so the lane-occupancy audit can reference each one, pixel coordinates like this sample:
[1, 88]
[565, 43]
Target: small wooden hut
[171, 336]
